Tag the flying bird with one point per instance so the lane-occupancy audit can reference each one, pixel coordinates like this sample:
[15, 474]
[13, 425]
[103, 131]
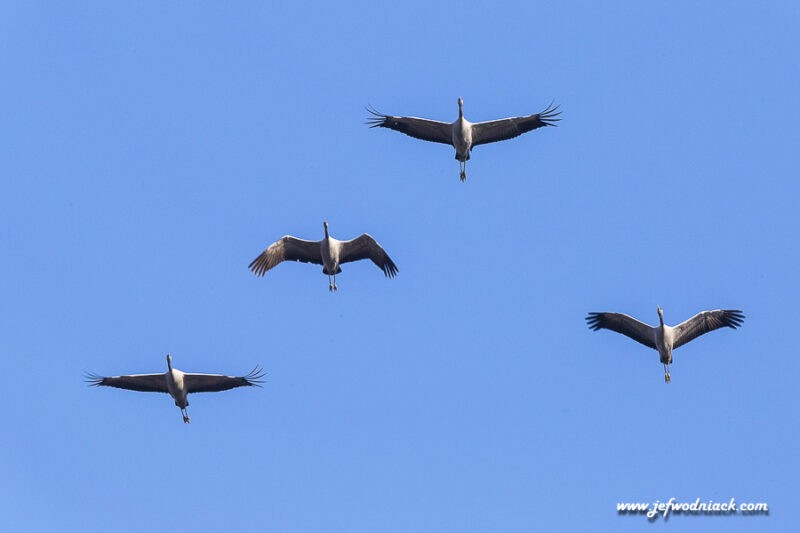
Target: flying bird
[328, 252]
[178, 384]
[462, 134]
[662, 337]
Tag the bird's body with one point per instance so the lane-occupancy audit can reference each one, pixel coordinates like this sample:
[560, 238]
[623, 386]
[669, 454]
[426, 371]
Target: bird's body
[664, 338]
[329, 252]
[177, 389]
[177, 384]
[462, 138]
[462, 134]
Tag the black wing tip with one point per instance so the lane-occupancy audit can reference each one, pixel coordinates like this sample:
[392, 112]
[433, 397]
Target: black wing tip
[255, 377]
[733, 318]
[389, 268]
[550, 115]
[257, 266]
[593, 321]
[92, 380]
[377, 120]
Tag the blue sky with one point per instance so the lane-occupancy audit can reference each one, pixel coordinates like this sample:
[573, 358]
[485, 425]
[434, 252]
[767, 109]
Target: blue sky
[150, 151]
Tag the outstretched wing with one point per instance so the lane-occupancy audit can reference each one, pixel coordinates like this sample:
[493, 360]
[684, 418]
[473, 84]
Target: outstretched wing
[137, 382]
[706, 321]
[508, 128]
[627, 325]
[218, 382]
[365, 247]
[419, 128]
[286, 248]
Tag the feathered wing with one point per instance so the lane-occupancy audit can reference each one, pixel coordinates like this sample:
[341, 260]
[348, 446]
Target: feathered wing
[286, 248]
[508, 128]
[704, 322]
[137, 382]
[365, 247]
[627, 325]
[419, 128]
[218, 382]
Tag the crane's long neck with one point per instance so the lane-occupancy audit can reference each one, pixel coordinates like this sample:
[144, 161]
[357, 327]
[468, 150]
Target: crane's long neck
[326, 232]
[460, 109]
[169, 362]
[661, 318]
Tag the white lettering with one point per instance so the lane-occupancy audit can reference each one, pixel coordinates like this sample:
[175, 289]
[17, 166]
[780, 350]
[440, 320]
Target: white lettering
[696, 507]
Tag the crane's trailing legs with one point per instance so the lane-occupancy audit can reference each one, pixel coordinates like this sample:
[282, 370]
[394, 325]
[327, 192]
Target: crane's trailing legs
[666, 373]
[185, 415]
[463, 166]
[332, 284]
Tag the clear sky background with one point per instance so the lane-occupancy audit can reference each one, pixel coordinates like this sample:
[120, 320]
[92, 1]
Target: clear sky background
[149, 151]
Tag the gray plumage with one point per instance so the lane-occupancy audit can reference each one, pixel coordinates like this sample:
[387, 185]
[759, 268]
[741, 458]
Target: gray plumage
[662, 337]
[177, 384]
[462, 134]
[329, 252]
